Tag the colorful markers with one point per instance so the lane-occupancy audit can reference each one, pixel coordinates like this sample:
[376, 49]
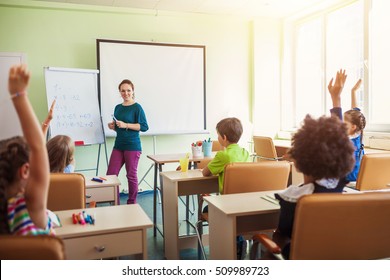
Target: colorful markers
[83, 218]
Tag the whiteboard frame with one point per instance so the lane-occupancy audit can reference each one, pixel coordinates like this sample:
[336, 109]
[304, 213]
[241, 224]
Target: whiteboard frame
[201, 126]
[77, 70]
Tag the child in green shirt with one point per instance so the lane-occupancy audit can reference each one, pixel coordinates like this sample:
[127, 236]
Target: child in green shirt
[229, 133]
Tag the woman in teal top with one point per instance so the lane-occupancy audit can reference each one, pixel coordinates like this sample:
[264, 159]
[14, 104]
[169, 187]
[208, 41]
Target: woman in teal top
[129, 120]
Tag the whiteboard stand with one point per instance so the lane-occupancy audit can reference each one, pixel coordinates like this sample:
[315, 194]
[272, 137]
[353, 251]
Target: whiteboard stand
[97, 162]
[98, 157]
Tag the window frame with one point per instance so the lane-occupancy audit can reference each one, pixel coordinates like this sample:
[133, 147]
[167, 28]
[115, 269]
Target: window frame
[291, 25]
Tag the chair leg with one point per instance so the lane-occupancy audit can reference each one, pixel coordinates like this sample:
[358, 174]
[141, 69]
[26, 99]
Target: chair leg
[199, 232]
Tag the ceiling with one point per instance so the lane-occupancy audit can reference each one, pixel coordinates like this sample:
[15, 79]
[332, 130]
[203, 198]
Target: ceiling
[252, 8]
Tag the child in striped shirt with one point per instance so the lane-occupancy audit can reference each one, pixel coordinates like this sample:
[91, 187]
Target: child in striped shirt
[24, 167]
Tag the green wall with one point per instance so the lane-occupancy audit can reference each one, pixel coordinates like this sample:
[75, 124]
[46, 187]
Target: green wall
[64, 35]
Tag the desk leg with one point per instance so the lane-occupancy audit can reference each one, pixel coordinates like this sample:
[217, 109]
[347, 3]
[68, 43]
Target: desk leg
[157, 170]
[117, 197]
[162, 199]
[222, 235]
[171, 227]
[155, 200]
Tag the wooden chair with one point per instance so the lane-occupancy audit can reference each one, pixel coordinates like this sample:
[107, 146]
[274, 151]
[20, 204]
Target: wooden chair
[338, 226]
[374, 173]
[217, 146]
[67, 191]
[40, 247]
[264, 149]
[243, 177]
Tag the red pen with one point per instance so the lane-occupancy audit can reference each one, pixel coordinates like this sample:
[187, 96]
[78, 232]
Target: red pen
[104, 179]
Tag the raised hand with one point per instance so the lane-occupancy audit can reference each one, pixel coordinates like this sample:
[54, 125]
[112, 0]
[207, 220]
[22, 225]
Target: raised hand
[353, 93]
[336, 88]
[18, 80]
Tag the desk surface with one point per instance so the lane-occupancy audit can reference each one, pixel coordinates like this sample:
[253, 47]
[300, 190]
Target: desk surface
[169, 158]
[107, 219]
[112, 180]
[244, 203]
[249, 203]
[192, 174]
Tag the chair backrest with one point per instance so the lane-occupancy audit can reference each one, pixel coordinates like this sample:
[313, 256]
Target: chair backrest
[242, 177]
[40, 247]
[66, 192]
[374, 172]
[342, 226]
[217, 146]
[264, 148]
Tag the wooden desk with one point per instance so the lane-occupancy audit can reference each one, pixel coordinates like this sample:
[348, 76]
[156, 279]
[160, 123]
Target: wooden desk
[282, 146]
[176, 184]
[118, 231]
[235, 214]
[159, 161]
[107, 191]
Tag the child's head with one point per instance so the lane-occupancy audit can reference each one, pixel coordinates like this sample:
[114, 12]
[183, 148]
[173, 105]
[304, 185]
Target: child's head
[321, 148]
[60, 150]
[231, 128]
[14, 153]
[355, 121]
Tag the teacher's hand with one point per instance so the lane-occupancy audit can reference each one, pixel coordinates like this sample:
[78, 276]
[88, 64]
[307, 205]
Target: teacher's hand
[121, 124]
[111, 125]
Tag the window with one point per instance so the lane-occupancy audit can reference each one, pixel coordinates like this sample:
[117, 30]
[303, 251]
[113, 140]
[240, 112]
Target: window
[379, 57]
[323, 43]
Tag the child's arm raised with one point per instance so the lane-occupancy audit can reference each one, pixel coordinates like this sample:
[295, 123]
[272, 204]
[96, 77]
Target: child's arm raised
[336, 88]
[37, 172]
[353, 94]
[46, 122]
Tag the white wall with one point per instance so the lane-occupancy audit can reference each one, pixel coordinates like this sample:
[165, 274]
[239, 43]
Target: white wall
[266, 76]
[64, 35]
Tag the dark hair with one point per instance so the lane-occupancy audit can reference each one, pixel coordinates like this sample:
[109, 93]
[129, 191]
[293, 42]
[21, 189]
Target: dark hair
[231, 128]
[126, 82]
[14, 152]
[321, 148]
[60, 150]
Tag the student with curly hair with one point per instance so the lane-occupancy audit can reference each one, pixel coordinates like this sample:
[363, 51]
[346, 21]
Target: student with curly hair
[24, 168]
[321, 150]
[354, 118]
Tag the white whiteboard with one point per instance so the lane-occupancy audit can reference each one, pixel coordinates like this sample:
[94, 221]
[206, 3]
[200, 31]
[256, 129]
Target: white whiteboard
[76, 112]
[9, 120]
[169, 83]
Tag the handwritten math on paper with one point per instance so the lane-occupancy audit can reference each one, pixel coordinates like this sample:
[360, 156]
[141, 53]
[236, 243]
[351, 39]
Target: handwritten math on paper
[76, 112]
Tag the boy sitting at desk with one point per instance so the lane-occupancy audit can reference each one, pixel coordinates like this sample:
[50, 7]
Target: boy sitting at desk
[229, 133]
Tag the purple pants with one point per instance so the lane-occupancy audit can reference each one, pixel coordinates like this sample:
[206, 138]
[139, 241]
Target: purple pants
[130, 160]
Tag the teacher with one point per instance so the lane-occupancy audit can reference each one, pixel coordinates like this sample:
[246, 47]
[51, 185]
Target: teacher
[128, 120]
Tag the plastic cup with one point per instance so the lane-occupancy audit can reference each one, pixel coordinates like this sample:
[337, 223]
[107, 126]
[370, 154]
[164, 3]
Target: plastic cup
[197, 151]
[184, 164]
[207, 147]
